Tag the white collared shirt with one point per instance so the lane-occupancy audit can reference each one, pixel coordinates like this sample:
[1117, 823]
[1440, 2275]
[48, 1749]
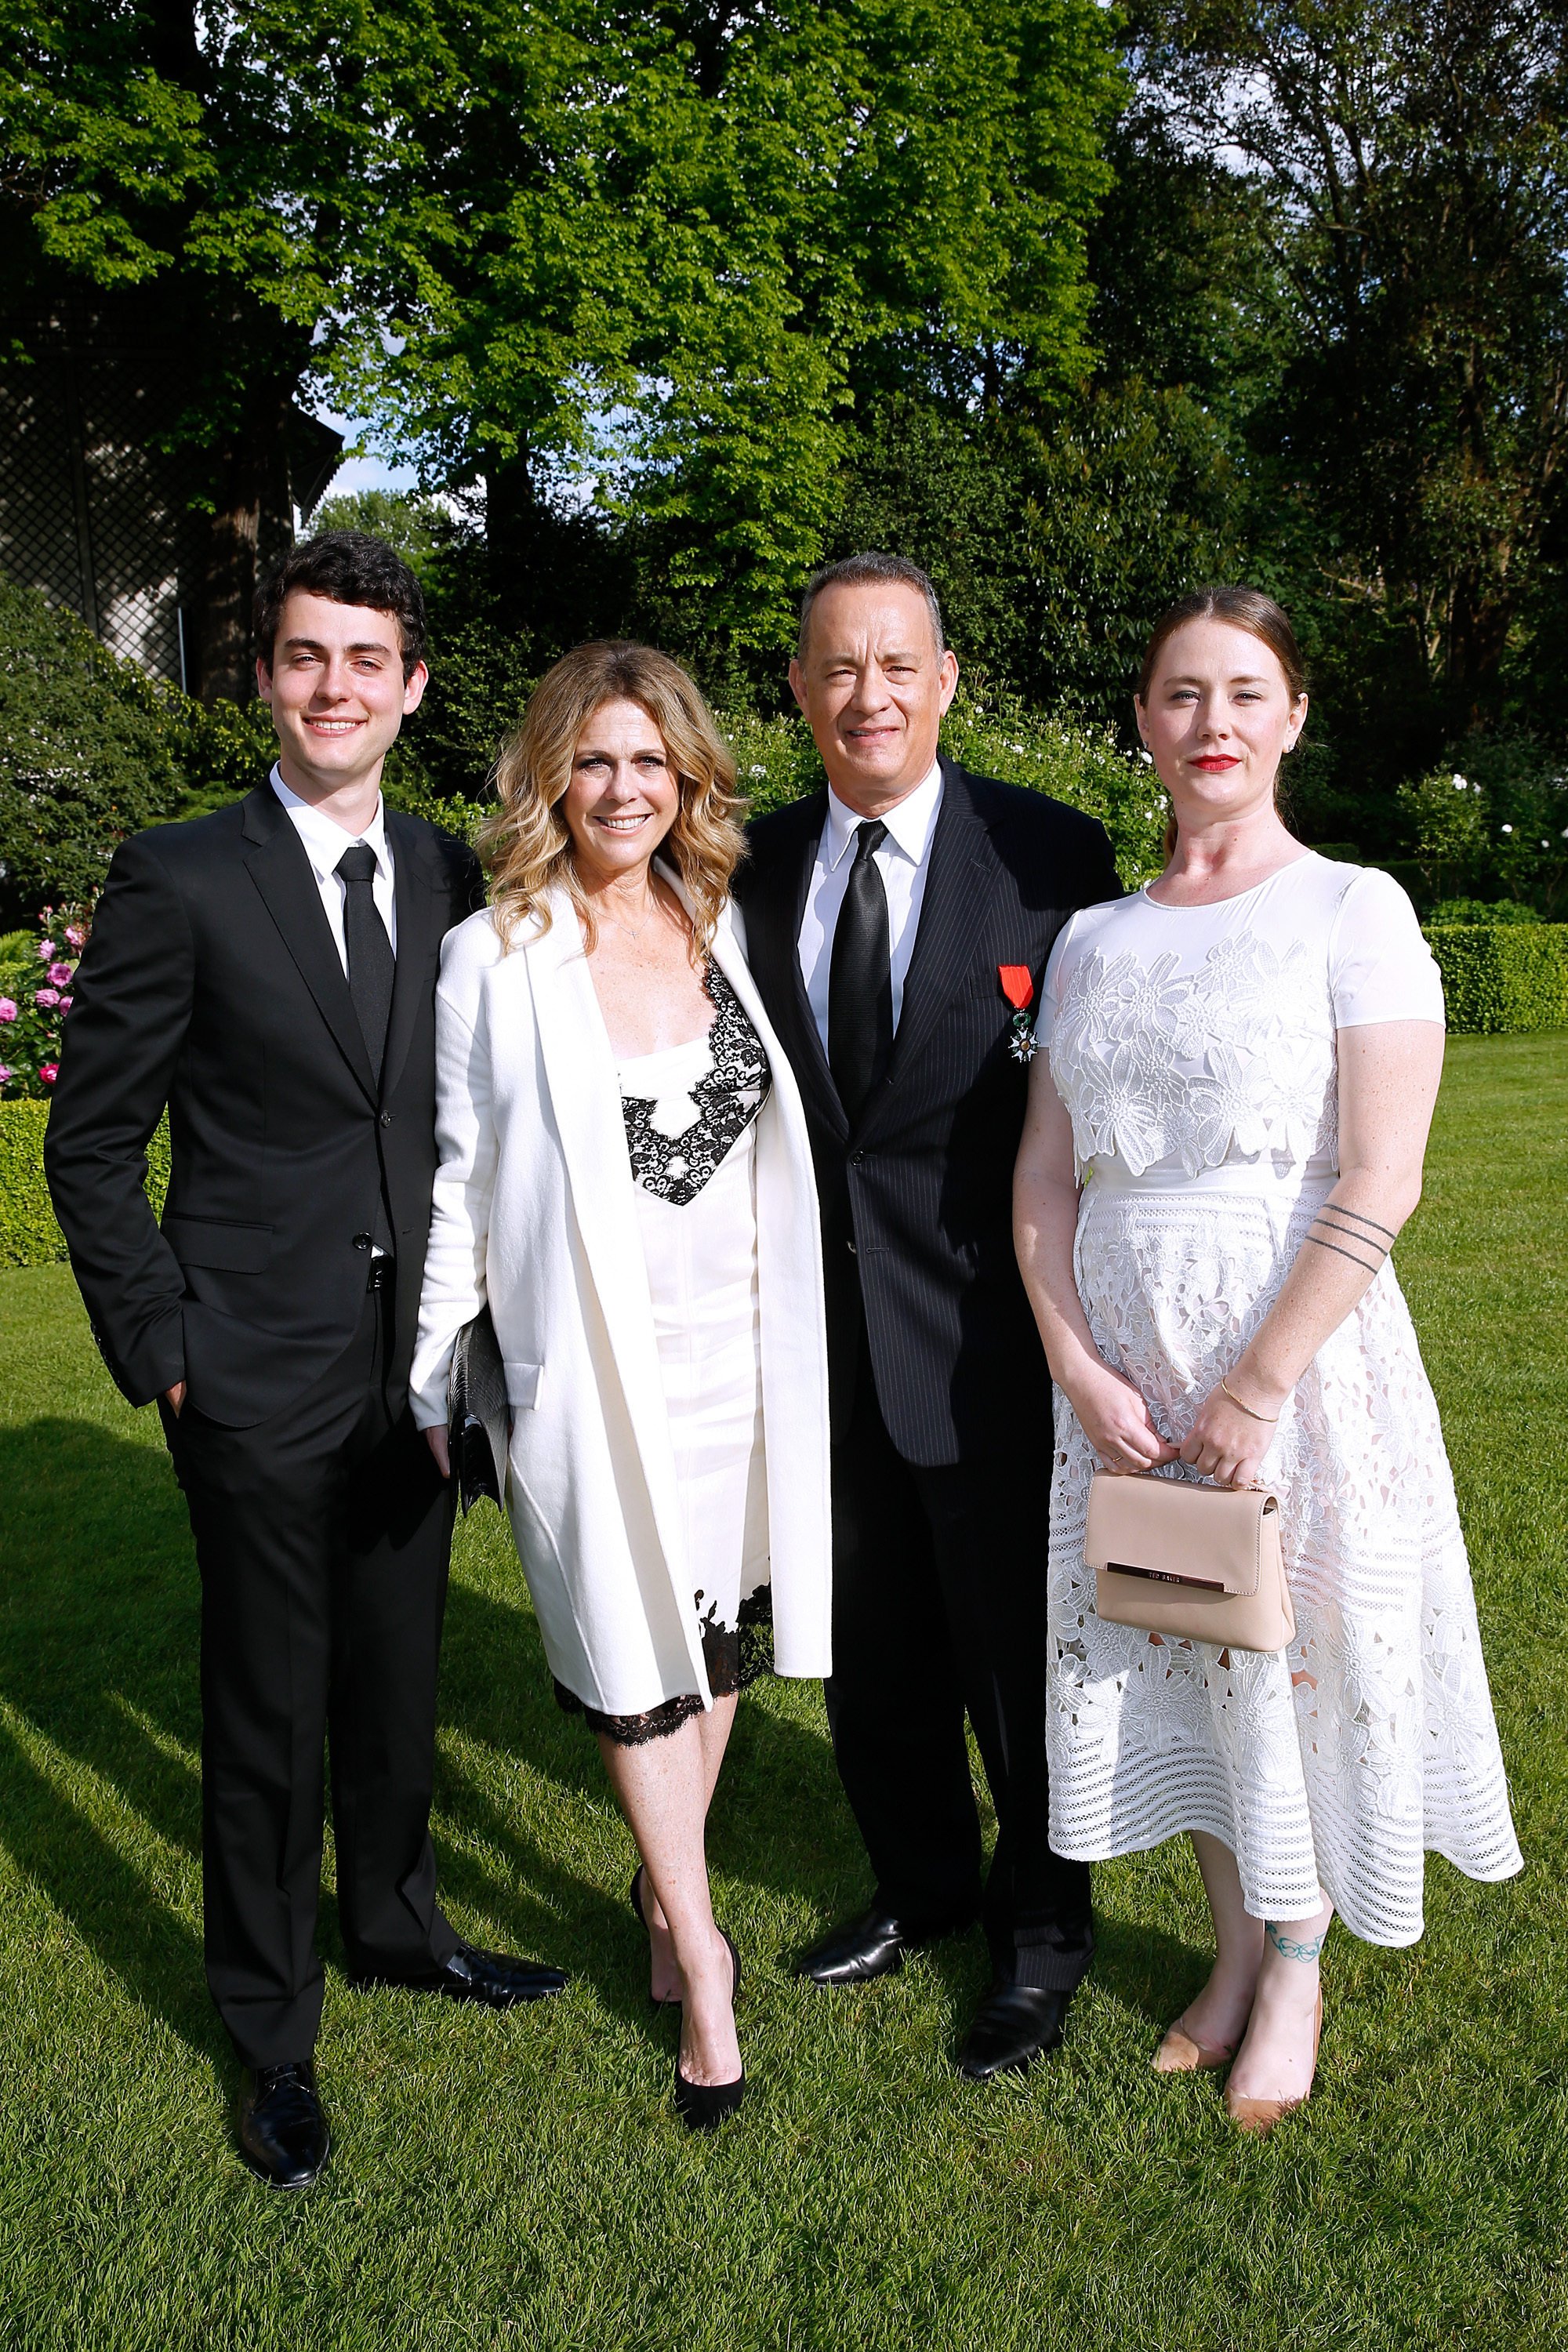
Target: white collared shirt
[325, 842]
[902, 861]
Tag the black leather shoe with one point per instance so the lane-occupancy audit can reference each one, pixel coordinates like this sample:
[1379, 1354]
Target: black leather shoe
[870, 1946]
[493, 1978]
[1013, 2025]
[282, 2132]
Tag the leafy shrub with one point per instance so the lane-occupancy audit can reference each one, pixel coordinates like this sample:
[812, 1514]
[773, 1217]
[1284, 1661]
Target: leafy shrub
[19, 954]
[221, 749]
[1494, 827]
[28, 1233]
[481, 680]
[1074, 762]
[1482, 911]
[87, 754]
[1503, 977]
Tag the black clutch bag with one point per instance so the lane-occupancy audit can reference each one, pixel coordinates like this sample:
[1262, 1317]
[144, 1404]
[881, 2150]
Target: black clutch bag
[478, 1422]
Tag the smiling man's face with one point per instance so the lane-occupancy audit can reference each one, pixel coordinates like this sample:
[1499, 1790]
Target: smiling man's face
[337, 692]
[873, 689]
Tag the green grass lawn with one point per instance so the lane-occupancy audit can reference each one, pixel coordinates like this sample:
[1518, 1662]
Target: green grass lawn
[521, 2179]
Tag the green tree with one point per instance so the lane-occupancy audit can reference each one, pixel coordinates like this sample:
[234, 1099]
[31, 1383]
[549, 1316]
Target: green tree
[659, 251]
[1409, 159]
[679, 246]
[212, 181]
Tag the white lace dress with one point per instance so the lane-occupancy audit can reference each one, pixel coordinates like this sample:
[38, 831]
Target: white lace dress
[1195, 1048]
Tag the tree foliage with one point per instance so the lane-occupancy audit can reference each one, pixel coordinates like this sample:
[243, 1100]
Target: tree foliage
[1408, 162]
[85, 757]
[661, 245]
[678, 244]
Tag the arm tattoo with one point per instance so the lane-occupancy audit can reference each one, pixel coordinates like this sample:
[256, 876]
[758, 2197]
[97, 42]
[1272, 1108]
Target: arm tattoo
[1341, 1212]
[1372, 1265]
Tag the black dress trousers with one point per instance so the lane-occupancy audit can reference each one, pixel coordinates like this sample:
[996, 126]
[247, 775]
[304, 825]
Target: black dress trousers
[939, 1612]
[321, 1537]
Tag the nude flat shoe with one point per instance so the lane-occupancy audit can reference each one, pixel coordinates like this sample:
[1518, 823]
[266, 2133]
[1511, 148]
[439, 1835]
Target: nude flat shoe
[1182, 2053]
[1260, 2116]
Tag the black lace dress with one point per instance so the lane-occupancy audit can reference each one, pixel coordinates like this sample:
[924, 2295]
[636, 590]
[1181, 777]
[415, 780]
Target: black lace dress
[690, 1116]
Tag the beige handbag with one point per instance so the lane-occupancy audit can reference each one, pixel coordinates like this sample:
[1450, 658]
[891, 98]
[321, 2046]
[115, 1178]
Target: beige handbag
[1194, 1563]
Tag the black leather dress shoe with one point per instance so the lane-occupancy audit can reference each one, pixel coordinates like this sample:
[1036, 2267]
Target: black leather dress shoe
[1013, 2025]
[870, 1946]
[492, 1977]
[282, 2131]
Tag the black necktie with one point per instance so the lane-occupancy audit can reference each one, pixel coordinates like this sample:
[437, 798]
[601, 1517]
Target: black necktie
[372, 965]
[860, 977]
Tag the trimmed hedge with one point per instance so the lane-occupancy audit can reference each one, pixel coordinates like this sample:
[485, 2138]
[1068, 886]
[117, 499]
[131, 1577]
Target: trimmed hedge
[28, 1233]
[1503, 976]
[1512, 977]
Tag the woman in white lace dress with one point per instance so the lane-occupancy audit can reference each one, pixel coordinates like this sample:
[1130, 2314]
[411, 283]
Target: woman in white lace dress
[1244, 1058]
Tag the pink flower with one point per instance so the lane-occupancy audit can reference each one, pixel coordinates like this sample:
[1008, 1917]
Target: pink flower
[7, 1008]
[48, 996]
[66, 1003]
[47, 950]
[76, 937]
[48, 1072]
[62, 974]
[4, 1076]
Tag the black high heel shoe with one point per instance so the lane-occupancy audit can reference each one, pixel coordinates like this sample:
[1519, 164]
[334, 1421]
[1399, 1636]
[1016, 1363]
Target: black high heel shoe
[670, 2000]
[703, 2106]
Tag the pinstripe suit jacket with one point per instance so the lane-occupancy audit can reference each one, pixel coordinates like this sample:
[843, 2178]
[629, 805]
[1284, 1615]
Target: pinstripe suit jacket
[917, 1200]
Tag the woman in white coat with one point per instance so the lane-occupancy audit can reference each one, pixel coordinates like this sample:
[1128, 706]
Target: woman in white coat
[625, 1180]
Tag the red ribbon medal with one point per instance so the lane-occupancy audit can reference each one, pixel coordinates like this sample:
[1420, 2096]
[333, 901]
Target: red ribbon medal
[1019, 988]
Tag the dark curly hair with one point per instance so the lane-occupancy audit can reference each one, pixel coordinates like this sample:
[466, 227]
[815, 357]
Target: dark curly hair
[347, 567]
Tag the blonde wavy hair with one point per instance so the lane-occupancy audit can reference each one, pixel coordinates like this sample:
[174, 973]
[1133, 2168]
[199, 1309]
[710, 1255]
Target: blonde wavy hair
[527, 846]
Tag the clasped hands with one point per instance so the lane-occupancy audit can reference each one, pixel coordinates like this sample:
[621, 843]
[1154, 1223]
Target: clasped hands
[1224, 1443]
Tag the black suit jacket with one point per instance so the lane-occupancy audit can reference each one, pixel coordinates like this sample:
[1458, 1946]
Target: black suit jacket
[211, 984]
[917, 1200]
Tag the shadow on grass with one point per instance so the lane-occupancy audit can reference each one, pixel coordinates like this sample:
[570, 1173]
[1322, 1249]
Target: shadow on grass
[98, 1653]
[99, 1630]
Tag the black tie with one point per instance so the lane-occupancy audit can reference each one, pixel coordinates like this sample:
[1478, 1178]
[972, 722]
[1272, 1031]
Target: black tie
[860, 977]
[371, 966]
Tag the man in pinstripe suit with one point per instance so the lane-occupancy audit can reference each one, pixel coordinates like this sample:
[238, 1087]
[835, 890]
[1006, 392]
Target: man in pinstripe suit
[893, 923]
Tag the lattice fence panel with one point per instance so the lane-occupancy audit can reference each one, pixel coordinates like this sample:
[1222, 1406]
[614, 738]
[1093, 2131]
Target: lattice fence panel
[140, 528]
[39, 541]
[91, 511]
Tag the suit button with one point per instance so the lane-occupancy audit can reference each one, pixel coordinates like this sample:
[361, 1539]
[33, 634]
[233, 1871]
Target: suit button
[386, 1119]
[362, 1241]
[851, 1248]
[856, 1158]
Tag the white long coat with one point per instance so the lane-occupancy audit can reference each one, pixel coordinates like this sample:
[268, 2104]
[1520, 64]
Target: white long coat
[534, 1209]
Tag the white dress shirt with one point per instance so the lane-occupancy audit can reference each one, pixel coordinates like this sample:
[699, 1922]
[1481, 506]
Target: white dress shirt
[325, 842]
[901, 860]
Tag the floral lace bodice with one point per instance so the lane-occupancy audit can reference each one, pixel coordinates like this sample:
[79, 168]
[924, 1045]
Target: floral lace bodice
[685, 1107]
[1184, 1040]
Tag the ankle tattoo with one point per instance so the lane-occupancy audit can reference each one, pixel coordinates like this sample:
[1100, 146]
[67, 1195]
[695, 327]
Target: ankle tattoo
[1289, 1948]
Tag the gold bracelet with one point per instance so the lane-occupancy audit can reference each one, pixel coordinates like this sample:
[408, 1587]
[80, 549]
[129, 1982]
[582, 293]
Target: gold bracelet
[1268, 1419]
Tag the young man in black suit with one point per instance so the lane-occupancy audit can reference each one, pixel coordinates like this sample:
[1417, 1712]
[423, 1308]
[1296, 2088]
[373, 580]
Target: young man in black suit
[896, 924]
[267, 974]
